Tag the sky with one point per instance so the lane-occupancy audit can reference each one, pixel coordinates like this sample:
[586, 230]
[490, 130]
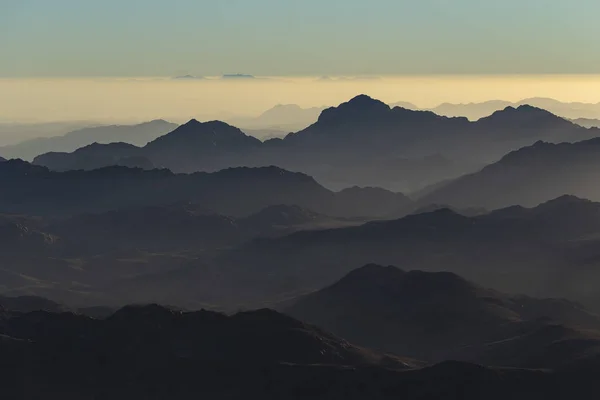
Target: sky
[76, 38]
[113, 60]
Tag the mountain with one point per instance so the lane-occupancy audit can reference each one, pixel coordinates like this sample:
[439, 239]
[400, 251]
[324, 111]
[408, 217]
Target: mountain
[404, 104]
[436, 316]
[265, 134]
[191, 147]
[472, 111]
[361, 142]
[587, 122]
[157, 352]
[547, 251]
[201, 146]
[289, 115]
[237, 76]
[14, 133]
[2, 159]
[475, 111]
[281, 118]
[188, 77]
[365, 128]
[138, 135]
[96, 156]
[35, 190]
[527, 177]
[25, 304]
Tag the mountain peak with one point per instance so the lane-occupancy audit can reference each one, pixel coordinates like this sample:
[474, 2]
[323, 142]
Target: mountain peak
[372, 274]
[363, 101]
[358, 107]
[520, 114]
[192, 122]
[566, 200]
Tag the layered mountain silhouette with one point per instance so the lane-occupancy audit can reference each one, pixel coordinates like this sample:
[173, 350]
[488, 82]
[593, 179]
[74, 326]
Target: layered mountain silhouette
[138, 135]
[437, 316]
[97, 156]
[28, 304]
[188, 77]
[197, 146]
[287, 117]
[546, 251]
[35, 190]
[475, 111]
[158, 352]
[360, 142]
[527, 177]
[587, 122]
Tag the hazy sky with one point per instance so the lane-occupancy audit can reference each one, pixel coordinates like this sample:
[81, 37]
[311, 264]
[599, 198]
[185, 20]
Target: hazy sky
[139, 99]
[70, 38]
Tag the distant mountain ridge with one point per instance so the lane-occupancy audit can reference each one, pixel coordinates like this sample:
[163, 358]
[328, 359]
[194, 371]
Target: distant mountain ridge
[546, 251]
[436, 316]
[138, 135]
[160, 352]
[527, 176]
[587, 122]
[35, 190]
[475, 111]
[364, 136]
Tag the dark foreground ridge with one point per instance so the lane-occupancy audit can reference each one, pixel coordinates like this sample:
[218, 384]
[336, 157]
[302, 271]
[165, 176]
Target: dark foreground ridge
[155, 352]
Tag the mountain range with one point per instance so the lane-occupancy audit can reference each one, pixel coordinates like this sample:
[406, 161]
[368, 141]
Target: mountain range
[527, 176]
[138, 135]
[440, 316]
[475, 111]
[36, 190]
[286, 117]
[546, 251]
[587, 122]
[361, 142]
[159, 352]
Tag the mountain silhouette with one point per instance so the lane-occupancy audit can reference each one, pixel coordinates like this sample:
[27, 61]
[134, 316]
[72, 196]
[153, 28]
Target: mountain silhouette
[138, 135]
[587, 122]
[360, 142]
[527, 176]
[475, 111]
[96, 156]
[159, 352]
[434, 316]
[214, 144]
[237, 76]
[546, 251]
[35, 190]
[188, 77]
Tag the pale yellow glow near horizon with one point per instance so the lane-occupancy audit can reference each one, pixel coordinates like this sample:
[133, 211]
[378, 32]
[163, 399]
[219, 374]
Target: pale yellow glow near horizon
[141, 99]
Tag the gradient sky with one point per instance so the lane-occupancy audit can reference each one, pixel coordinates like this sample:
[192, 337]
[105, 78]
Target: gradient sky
[70, 38]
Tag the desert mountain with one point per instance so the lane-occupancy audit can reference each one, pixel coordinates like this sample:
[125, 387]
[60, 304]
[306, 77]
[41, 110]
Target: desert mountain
[138, 135]
[436, 316]
[546, 251]
[360, 142]
[475, 111]
[157, 352]
[587, 122]
[96, 156]
[197, 146]
[288, 117]
[35, 190]
[527, 177]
